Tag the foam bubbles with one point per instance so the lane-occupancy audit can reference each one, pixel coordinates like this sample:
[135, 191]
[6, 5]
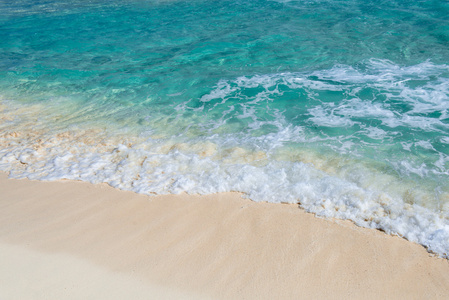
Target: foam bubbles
[365, 143]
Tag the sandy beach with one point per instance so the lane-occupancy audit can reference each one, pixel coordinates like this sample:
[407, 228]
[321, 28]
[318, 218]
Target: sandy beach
[263, 149]
[74, 240]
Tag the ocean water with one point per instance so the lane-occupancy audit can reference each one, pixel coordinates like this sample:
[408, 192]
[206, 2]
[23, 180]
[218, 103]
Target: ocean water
[339, 106]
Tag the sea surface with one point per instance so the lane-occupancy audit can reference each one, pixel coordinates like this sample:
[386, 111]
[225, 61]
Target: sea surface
[339, 106]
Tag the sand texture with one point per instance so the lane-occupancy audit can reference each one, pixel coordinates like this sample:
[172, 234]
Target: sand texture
[73, 240]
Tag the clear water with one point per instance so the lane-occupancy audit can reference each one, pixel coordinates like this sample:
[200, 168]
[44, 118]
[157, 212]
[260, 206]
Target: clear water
[340, 106]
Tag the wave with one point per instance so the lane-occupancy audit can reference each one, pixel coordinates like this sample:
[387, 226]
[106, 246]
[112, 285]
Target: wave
[366, 143]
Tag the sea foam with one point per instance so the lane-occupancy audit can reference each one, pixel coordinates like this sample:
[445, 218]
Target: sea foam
[366, 169]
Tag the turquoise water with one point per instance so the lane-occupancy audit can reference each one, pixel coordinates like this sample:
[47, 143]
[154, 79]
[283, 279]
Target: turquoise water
[340, 106]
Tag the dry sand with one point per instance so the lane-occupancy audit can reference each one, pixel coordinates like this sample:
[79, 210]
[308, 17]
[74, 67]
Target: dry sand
[73, 240]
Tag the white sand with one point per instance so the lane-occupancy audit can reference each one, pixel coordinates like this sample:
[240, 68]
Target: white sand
[28, 274]
[71, 240]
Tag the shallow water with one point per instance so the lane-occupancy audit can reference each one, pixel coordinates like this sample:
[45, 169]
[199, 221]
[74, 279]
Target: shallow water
[341, 106]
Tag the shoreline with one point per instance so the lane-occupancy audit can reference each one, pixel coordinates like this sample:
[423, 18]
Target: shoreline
[92, 240]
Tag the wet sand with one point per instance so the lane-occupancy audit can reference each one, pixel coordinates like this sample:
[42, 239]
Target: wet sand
[74, 240]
